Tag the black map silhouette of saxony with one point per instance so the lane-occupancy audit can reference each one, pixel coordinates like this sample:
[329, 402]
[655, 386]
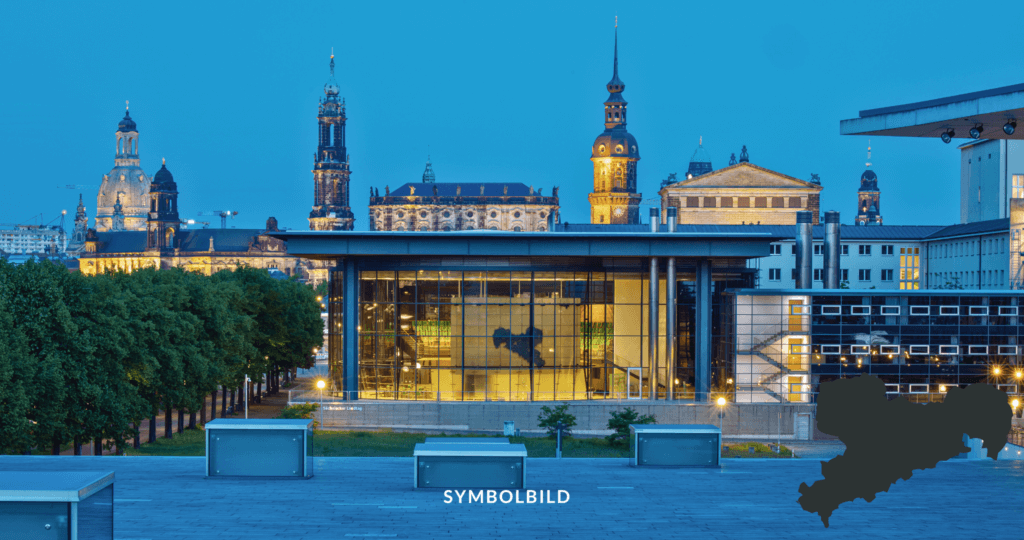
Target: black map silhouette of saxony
[888, 439]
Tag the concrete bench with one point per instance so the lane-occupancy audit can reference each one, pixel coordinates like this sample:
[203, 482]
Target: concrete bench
[467, 440]
[45, 505]
[259, 448]
[684, 445]
[469, 466]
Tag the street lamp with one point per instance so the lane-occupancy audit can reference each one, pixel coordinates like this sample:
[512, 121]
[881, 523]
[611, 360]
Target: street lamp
[320, 385]
[721, 407]
[246, 388]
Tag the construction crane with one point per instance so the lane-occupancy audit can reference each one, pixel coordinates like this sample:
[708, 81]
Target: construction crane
[224, 215]
[205, 224]
[74, 186]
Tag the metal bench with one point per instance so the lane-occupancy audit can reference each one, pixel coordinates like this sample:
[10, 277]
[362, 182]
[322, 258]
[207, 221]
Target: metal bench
[467, 440]
[684, 445]
[469, 466]
[66, 505]
[259, 448]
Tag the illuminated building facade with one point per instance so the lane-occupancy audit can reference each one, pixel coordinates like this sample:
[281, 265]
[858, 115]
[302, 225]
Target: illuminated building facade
[433, 206]
[615, 155]
[164, 244]
[740, 194]
[331, 171]
[126, 182]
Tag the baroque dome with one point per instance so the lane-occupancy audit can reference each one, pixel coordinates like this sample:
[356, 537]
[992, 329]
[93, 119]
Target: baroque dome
[616, 142]
[126, 123]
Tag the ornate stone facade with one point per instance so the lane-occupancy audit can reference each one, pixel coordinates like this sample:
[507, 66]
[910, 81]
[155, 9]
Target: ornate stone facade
[126, 181]
[433, 206]
[331, 211]
[615, 155]
[741, 194]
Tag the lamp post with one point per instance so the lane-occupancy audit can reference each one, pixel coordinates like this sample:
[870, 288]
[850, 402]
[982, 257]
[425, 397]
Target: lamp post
[246, 396]
[721, 407]
[320, 385]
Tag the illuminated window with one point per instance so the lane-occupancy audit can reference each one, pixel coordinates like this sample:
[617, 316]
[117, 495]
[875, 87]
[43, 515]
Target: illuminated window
[1018, 186]
[910, 268]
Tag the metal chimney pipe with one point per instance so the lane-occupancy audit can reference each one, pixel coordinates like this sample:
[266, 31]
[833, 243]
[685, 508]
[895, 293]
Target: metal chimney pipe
[831, 268]
[672, 219]
[803, 250]
[655, 218]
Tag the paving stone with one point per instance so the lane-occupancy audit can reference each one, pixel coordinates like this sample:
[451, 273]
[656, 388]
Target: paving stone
[168, 497]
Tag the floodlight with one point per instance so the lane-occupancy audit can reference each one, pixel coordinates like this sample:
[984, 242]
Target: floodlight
[947, 136]
[975, 131]
[1010, 127]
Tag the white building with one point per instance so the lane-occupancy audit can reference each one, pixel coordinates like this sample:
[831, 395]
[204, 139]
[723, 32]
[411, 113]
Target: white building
[991, 175]
[25, 239]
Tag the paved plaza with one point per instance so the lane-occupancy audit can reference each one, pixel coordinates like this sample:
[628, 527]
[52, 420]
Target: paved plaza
[168, 497]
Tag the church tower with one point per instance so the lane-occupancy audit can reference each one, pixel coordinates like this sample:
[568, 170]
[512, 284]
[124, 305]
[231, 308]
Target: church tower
[868, 208]
[331, 211]
[81, 224]
[163, 221]
[126, 181]
[615, 155]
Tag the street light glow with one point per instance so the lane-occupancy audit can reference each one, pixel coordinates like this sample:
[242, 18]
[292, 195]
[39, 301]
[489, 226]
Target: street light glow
[995, 370]
[321, 384]
[1015, 403]
[721, 402]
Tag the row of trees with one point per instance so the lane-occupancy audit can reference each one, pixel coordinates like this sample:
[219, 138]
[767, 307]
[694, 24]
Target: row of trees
[87, 358]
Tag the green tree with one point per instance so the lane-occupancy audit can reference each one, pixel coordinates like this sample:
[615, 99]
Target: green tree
[549, 418]
[15, 372]
[620, 422]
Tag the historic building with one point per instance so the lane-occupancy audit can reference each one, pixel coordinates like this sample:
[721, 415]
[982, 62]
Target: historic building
[741, 194]
[868, 209]
[165, 244]
[433, 206]
[331, 171]
[126, 182]
[700, 161]
[615, 155]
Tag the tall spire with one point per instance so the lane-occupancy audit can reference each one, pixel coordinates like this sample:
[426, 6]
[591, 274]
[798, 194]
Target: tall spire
[869, 154]
[615, 85]
[331, 88]
[428, 173]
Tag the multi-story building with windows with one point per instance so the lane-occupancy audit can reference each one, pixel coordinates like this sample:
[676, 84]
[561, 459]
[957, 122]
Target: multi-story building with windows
[991, 175]
[433, 206]
[32, 239]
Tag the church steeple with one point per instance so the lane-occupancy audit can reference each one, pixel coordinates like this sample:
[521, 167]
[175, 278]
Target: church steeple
[869, 211]
[163, 222]
[81, 223]
[428, 173]
[331, 211]
[615, 155]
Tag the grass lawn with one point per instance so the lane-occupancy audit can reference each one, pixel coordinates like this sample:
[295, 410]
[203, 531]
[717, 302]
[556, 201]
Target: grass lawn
[389, 444]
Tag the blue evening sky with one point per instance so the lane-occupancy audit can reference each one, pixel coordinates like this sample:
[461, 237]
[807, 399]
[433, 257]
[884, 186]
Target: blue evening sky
[500, 92]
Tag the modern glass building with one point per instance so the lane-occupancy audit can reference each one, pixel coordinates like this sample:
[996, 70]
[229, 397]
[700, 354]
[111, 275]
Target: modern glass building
[486, 315]
[920, 343]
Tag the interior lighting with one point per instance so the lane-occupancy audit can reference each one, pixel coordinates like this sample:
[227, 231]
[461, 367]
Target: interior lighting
[975, 131]
[942, 388]
[947, 136]
[321, 384]
[996, 370]
[1019, 374]
[418, 365]
[1010, 127]
[727, 381]
[1015, 403]
[721, 402]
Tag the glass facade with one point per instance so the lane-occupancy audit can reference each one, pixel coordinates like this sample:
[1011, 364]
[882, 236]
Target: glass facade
[918, 344]
[517, 330]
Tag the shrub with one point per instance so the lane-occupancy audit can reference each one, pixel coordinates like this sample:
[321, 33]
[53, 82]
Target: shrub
[550, 417]
[301, 411]
[620, 422]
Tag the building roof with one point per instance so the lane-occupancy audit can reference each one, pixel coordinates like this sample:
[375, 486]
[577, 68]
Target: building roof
[786, 232]
[971, 229]
[469, 189]
[607, 243]
[990, 108]
[744, 175]
[189, 240]
[126, 124]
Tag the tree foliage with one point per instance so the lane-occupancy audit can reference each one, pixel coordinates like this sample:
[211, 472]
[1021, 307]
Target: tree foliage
[87, 357]
[550, 417]
[620, 422]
